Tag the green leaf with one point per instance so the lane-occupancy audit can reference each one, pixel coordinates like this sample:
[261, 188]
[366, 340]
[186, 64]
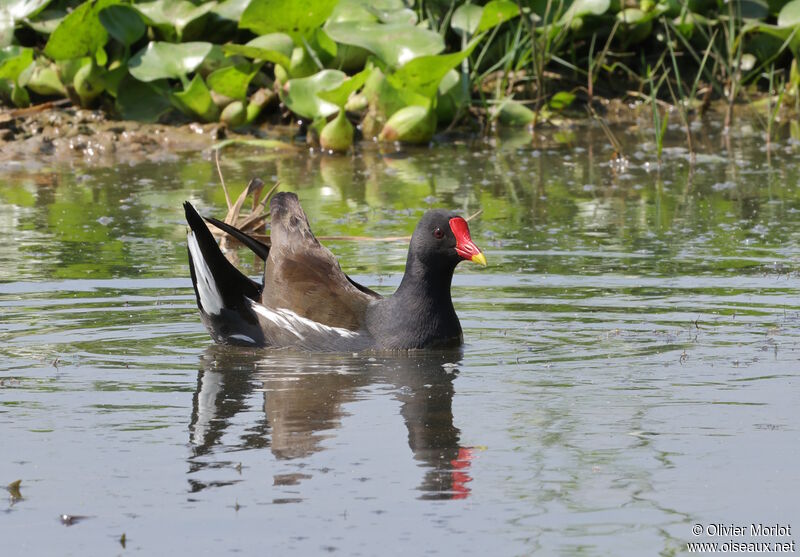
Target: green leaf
[296, 18]
[19, 96]
[173, 14]
[196, 100]
[123, 23]
[234, 115]
[423, 74]
[783, 34]
[13, 61]
[42, 78]
[561, 100]
[232, 81]
[113, 78]
[789, 15]
[20, 9]
[394, 43]
[513, 113]
[7, 24]
[89, 82]
[12, 11]
[495, 13]
[750, 9]
[160, 60]
[274, 47]
[581, 8]
[47, 21]
[451, 98]
[353, 10]
[261, 143]
[337, 135]
[80, 33]
[340, 94]
[412, 124]
[143, 102]
[301, 94]
[231, 10]
[466, 18]
[323, 43]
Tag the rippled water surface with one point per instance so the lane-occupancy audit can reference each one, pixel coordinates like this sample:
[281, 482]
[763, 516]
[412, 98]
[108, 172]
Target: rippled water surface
[632, 365]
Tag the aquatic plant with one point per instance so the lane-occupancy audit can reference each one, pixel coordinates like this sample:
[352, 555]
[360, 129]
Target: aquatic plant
[397, 70]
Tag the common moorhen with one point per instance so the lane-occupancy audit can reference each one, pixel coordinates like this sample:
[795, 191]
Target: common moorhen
[308, 302]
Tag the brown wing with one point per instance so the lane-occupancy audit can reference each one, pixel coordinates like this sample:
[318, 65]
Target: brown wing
[303, 276]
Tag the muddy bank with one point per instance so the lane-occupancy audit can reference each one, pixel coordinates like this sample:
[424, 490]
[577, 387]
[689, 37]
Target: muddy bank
[54, 133]
[68, 135]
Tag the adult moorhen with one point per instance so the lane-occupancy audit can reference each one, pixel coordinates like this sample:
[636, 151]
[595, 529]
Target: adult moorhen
[307, 301]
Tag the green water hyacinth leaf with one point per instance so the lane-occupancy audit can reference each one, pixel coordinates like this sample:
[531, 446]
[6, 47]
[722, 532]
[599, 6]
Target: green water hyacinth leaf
[160, 60]
[143, 102]
[301, 94]
[12, 11]
[452, 97]
[234, 115]
[423, 74]
[337, 135]
[635, 25]
[123, 23]
[42, 79]
[20, 9]
[274, 47]
[750, 9]
[394, 43]
[787, 35]
[385, 11]
[7, 24]
[233, 81]
[80, 33]
[169, 15]
[581, 8]
[789, 15]
[469, 19]
[296, 18]
[412, 124]
[19, 96]
[231, 10]
[561, 100]
[340, 94]
[114, 77]
[47, 21]
[495, 13]
[196, 100]
[13, 61]
[89, 83]
[466, 18]
[513, 113]
[392, 12]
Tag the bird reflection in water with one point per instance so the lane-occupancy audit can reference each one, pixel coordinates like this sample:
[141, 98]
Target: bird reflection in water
[304, 396]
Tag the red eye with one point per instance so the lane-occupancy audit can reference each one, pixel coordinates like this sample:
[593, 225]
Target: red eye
[438, 233]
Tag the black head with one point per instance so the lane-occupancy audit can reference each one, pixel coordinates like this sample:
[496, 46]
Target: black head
[442, 240]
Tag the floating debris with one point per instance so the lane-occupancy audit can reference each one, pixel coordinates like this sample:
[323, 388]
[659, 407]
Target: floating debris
[13, 489]
[71, 519]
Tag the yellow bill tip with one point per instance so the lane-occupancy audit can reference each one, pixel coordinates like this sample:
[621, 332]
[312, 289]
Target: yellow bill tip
[479, 258]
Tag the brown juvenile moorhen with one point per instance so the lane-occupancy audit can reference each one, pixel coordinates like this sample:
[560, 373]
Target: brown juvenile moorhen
[308, 302]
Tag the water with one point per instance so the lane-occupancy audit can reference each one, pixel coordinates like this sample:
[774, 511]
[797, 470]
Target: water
[631, 366]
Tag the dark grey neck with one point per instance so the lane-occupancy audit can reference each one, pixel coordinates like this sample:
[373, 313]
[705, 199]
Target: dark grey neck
[426, 281]
[420, 313]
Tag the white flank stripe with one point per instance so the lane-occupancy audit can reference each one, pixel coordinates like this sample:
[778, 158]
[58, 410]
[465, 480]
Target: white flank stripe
[297, 325]
[242, 337]
[210, 298]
